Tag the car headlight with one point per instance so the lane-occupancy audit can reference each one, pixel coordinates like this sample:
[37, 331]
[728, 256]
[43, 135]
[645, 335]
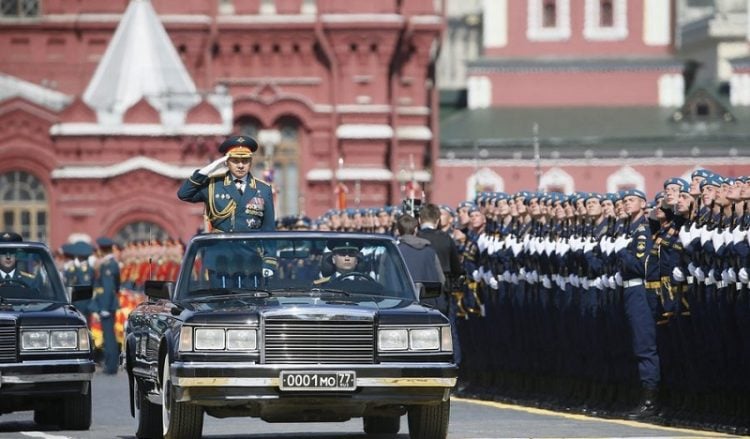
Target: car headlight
[34, 340]
[55, 339]
[436, 338]
[63, 339]
[427, 339]
[393, 340]
[242, 339]
[209, 339]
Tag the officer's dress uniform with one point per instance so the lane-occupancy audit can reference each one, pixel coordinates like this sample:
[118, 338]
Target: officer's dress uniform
[233, 205]
[106, 303]
[226, 208]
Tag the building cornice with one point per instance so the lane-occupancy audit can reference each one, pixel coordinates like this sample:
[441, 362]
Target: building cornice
[98, 172]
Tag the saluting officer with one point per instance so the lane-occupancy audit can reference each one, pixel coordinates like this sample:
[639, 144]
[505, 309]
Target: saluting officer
[235, 200]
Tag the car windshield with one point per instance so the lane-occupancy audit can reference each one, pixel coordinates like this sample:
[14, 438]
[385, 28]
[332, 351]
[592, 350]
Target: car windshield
[299, 265]
[27, 274]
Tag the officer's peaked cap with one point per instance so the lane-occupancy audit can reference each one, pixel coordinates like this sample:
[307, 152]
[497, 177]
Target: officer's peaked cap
[10, 237]
[340, 245]
[239, 146]
[105, 242]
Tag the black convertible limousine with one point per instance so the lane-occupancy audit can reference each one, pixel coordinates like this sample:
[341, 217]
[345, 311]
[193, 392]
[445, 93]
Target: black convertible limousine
[290, 327]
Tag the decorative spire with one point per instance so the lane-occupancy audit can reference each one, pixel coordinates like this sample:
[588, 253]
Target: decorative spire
[141, 62]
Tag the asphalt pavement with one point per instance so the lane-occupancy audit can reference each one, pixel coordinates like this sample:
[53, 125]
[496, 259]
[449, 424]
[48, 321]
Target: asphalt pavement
[469, 420]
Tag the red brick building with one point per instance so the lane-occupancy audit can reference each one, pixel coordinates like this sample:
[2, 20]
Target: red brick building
[105, 107]
[613, 105]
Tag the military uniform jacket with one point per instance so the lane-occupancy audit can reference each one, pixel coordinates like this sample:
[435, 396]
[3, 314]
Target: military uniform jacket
[634, 257]
[226, 209]
[107, 285]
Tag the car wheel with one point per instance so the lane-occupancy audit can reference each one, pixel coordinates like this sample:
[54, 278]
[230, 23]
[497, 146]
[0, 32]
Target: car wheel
[381, 424]
[179, 420]
[429, 421]
[147, 414]
[47, 416]
[76, 413]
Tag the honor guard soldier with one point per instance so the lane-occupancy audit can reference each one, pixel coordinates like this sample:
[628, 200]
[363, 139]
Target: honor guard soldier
[106, 302]
[235, 200]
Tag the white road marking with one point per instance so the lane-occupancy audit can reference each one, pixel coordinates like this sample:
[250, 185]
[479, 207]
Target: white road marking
[43, 435]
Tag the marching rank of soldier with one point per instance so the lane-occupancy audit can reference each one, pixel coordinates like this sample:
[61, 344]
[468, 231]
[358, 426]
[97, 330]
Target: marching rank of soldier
[610, 304]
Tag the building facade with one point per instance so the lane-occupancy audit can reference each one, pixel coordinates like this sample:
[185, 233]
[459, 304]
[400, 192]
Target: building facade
[597, 88]
[105, 107]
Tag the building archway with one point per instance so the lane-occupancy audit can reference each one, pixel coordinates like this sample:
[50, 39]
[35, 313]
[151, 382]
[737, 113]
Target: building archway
[24, 205]
[484, 180]
[626, 178]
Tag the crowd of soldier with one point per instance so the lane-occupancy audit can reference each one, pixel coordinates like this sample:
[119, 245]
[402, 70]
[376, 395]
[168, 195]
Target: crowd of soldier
[605, 303]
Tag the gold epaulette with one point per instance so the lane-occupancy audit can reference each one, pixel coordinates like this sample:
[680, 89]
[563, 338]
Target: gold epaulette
[25, 274]
[262, 181]
[321, 280]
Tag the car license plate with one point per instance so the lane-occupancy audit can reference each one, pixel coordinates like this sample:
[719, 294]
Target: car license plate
[318, 381]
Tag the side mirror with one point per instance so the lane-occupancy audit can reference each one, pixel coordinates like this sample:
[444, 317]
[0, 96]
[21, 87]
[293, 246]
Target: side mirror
[158, 289]
[429, 290]
[81, 292]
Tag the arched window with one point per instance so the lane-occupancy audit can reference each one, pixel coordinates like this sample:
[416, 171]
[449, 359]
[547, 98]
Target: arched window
[140, 231]
[247, 125]
[23, 204]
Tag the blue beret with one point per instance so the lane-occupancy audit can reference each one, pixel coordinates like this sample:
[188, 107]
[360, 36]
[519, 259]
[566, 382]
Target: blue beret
[711, 180]
[681, 182]
[239, 146]
[728, 180]
[589, 195]
[468, 204]
[705, 173]
[473, 208]
[613, 196]
[634, 193]
[446, 208]
[658, 195]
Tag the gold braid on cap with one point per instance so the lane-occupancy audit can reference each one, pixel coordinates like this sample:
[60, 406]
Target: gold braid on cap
[212, 213]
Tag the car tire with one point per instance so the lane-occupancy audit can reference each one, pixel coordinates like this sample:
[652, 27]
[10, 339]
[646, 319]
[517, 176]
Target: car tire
[147, 414]
[47, 416]
[76, 413]
[381, 424]
[179, 420]
[429, 421]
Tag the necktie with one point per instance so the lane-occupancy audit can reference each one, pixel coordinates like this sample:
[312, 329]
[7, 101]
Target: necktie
[238, 182]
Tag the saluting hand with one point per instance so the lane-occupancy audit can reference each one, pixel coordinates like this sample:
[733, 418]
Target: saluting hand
[213, 166]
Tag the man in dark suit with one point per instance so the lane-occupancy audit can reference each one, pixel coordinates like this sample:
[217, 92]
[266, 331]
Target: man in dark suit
[430, 228]
[442, 243]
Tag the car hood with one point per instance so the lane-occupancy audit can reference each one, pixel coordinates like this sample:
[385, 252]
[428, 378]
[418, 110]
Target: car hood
[41, 313]
[244, 310]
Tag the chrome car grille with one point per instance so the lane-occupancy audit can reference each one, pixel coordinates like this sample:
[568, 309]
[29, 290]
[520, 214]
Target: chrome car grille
[8, 342]
[295, 341]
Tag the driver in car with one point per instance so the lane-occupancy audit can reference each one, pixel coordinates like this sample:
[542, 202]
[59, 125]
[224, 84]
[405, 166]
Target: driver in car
[9, 273]
[344, 257]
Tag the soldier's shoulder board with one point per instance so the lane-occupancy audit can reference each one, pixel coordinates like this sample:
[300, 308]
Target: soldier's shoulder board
[641, 228]
[25, 274]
